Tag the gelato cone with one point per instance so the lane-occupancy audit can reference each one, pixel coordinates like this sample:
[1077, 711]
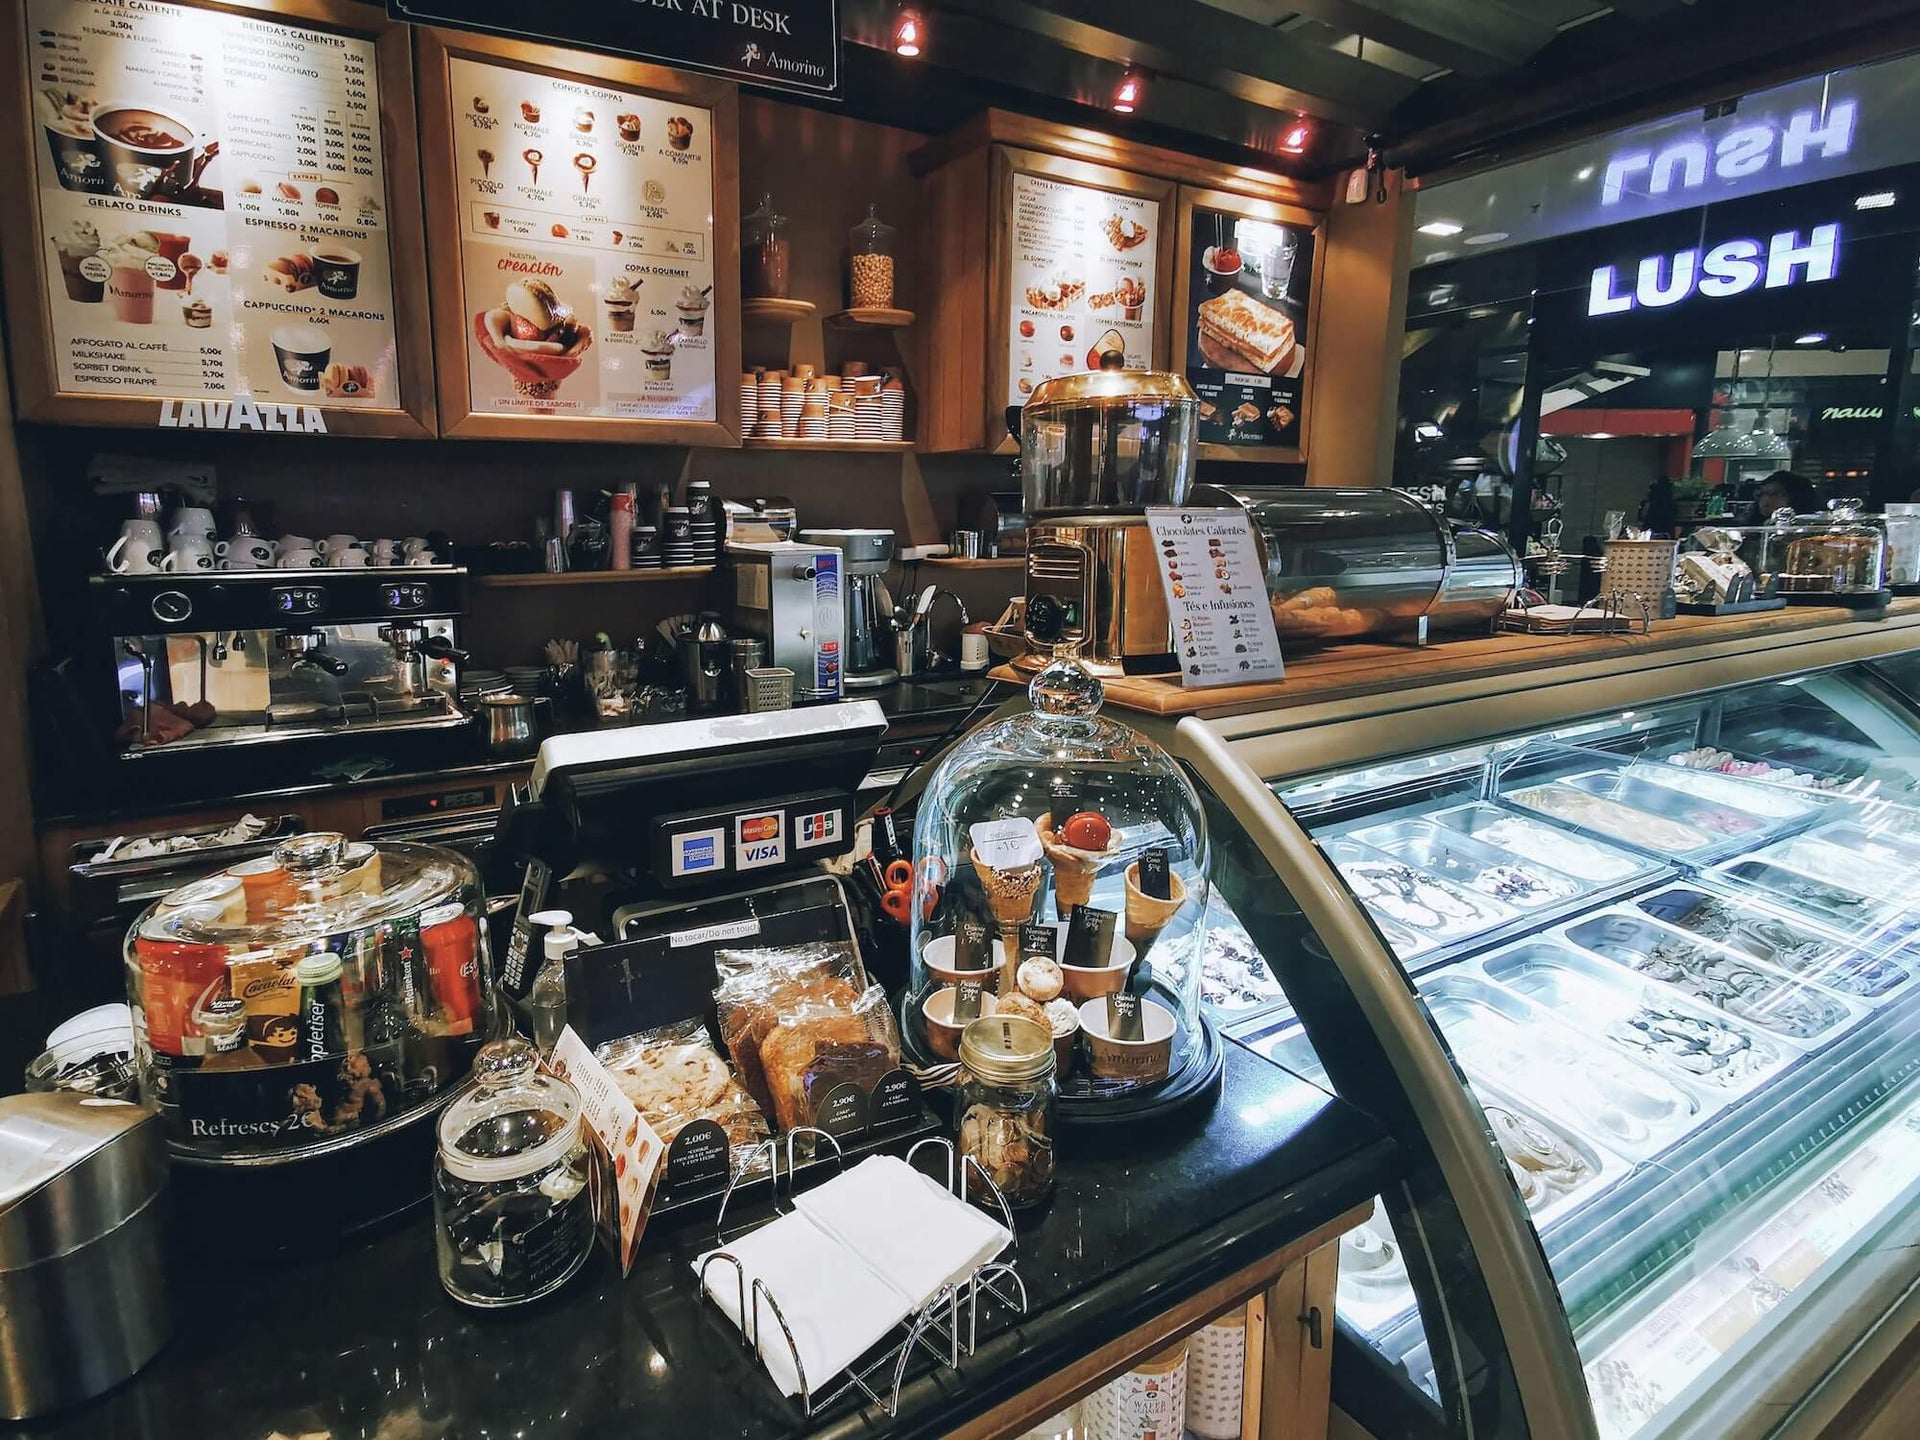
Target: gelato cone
[1010, 895]
[1146, 916]
[1074, 869]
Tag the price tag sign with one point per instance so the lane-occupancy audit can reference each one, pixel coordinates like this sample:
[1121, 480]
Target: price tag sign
[1006, 844]
[1209, 569]
[1123, 1016]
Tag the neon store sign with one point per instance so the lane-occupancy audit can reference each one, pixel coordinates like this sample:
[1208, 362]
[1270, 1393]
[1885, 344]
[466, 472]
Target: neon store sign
[1741, 154]
[1730, 268]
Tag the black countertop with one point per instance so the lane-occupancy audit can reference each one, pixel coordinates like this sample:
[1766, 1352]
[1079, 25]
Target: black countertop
[263, 776]
[366, 1345]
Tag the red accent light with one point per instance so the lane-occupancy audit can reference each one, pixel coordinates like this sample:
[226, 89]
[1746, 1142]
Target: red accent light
[907, 35]
[1126, 96]
[1295, 140]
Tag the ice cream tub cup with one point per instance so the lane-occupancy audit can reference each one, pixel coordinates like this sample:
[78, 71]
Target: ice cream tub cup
[1114, 1059]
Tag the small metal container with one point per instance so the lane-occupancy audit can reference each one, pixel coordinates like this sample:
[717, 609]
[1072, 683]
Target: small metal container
[84, 1293]
[508, 724]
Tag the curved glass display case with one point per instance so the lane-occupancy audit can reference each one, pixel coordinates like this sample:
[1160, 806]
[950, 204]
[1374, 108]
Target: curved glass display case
[1627, 954]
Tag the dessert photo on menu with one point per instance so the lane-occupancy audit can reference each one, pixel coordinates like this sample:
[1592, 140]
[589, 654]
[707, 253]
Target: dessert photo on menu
[586, 244]
[209, 193]
[1247, 286]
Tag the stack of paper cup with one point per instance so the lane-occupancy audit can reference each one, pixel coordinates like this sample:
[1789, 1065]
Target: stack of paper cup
[793, 396]
[749, 403]
[869, 418]
[813, 420]
[893, 410]
[1216, 1376]
[841, 424]
[770, 382]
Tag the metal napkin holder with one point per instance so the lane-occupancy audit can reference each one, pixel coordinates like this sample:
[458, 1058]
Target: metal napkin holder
[934, 1328]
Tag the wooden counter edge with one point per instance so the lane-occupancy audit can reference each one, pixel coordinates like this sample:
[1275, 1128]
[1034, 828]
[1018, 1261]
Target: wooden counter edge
[1089, 1373]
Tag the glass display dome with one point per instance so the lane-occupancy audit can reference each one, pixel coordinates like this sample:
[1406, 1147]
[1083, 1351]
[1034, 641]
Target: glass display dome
[1060, 873]
[310, 997]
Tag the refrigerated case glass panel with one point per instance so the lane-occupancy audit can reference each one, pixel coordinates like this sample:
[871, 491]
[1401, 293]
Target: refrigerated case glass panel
[1673, 952]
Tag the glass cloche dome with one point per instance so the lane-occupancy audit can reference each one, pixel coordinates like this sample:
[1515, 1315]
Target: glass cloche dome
[1060, 872]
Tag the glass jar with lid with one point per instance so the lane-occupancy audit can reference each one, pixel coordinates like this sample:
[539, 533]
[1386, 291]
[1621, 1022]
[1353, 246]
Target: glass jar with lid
[513, 1218]
[765, 268]
[870, 263]
[1840, 553]
[1060, 869]
[361, 980]
[1005, 1105]
[1110, 439]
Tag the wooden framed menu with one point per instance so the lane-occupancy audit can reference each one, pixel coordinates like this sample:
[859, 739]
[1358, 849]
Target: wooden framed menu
[584, 236]
[1082, 255]
[1244, 280]
[221, 234]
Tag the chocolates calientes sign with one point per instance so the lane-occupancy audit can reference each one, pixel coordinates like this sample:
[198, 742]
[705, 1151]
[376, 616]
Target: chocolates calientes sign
[784, 44]
[1732, 267]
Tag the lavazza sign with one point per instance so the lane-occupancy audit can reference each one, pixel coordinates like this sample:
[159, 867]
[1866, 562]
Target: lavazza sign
[1730, 268]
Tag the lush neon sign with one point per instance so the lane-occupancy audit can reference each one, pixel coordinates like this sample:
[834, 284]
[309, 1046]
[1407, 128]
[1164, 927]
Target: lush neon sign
[1741, 153]
[1730, 268]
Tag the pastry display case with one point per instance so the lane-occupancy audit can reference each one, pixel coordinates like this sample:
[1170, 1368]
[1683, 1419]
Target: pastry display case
[308, 999]
[1060, 874]
[1631, 961]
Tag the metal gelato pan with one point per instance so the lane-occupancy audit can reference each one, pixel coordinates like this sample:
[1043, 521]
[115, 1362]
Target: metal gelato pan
[1392, 890]
[1515, 834]
[1523, 884]
[1645, 1021]
[1723, 979]
[1759, 933]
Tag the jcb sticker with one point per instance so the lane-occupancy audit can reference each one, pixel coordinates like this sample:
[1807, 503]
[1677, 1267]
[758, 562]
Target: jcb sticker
[821, 828]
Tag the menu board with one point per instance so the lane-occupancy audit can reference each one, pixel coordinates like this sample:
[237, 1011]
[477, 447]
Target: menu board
[1210, 572]
[212, 206]
[1248, 288]
[1083, 274]
[586, 244]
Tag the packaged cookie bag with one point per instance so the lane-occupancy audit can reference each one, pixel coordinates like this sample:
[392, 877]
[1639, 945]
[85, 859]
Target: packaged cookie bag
[674, 1076]
[823, 1044]
[758, 986]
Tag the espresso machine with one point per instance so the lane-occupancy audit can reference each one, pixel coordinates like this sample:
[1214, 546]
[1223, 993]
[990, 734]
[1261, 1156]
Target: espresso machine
[866, 556]
[266, 657]
[1095, 451]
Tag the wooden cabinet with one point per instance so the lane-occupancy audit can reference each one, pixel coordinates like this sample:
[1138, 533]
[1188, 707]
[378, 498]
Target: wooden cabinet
[981, 187]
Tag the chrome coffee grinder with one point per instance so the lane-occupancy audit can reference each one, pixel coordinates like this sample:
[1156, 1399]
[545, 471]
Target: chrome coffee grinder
[1095, 451]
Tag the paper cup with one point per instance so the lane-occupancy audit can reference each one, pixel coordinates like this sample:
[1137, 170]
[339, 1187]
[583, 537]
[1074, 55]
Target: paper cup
[302, 352]
[943, 1035]
[148, 152]
[1143, 1060]
[336, 272]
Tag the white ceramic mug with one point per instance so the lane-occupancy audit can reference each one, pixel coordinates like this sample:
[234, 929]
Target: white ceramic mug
[247, 552]
[385, 552]
[334, 544]
[413, 545]
[421, 560]
[292, 542]
[139, 550]
[347, 558]
[190, 520]
[187, 554]
[300, 560]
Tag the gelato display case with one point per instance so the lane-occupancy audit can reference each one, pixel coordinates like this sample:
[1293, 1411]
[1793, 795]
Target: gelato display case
[1627, 955]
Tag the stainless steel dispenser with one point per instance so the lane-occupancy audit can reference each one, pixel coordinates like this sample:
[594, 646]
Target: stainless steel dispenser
[868, 605]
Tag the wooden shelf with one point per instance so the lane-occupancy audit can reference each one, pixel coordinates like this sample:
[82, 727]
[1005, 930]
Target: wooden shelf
[593, 577]
[870, 317]
[844, 447]
[983, 562]
[778, 312]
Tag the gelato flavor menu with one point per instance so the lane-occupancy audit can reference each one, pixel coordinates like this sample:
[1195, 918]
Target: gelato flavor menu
[211, 205]
[586, 242]
[1082, 263]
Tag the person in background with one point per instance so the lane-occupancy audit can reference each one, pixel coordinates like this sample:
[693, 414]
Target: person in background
[1783, 490]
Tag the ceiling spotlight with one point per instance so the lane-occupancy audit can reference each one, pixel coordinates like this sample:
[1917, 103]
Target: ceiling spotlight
[1426, 432]
[1441, 228]
[1126, 95]
[1812, 337]
[1295, 140]
[1490, 237]
[1585, 172]
[908, 33]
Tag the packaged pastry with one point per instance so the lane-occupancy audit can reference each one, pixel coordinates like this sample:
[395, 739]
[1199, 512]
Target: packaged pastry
[758, 986]
[674, 1076]
[822, 1045]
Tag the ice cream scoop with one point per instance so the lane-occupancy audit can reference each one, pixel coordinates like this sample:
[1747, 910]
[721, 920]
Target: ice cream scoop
[1074, 867]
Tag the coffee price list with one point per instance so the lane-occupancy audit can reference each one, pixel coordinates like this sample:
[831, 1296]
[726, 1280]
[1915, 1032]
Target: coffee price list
[212, 206]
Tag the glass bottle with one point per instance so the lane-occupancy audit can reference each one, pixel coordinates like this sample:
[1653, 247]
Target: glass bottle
[512, 1216]
[870, 264]
[1006, 1106]
[224, 1024]
[764, 258]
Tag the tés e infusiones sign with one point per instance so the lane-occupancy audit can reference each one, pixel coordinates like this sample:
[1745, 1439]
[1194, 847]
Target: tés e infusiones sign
[1732, 267]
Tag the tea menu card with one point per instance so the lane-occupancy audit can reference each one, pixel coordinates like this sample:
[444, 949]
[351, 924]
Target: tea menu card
[1210, 572]
[586, 236]
[212, 206]
[1082, 262]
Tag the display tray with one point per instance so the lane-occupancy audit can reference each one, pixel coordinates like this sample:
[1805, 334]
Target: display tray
[1852, 599]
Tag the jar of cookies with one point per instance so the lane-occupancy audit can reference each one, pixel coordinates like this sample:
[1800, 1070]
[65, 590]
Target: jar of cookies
[512, 1215]
[870, 264]
[1006, 1106]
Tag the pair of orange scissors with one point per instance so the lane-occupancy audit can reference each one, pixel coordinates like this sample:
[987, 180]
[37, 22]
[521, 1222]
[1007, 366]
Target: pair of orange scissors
[896, 899]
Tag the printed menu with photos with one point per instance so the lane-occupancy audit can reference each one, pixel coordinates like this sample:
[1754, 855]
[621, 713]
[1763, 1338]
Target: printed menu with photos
[1210, 572]
[586, 238]
[212, 205]
[1082, 262]
[1248, 284]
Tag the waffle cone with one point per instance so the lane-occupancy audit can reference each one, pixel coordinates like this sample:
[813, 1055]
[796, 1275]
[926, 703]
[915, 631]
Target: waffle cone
[1146, 916]
[1010, 896]
[1073, 870]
